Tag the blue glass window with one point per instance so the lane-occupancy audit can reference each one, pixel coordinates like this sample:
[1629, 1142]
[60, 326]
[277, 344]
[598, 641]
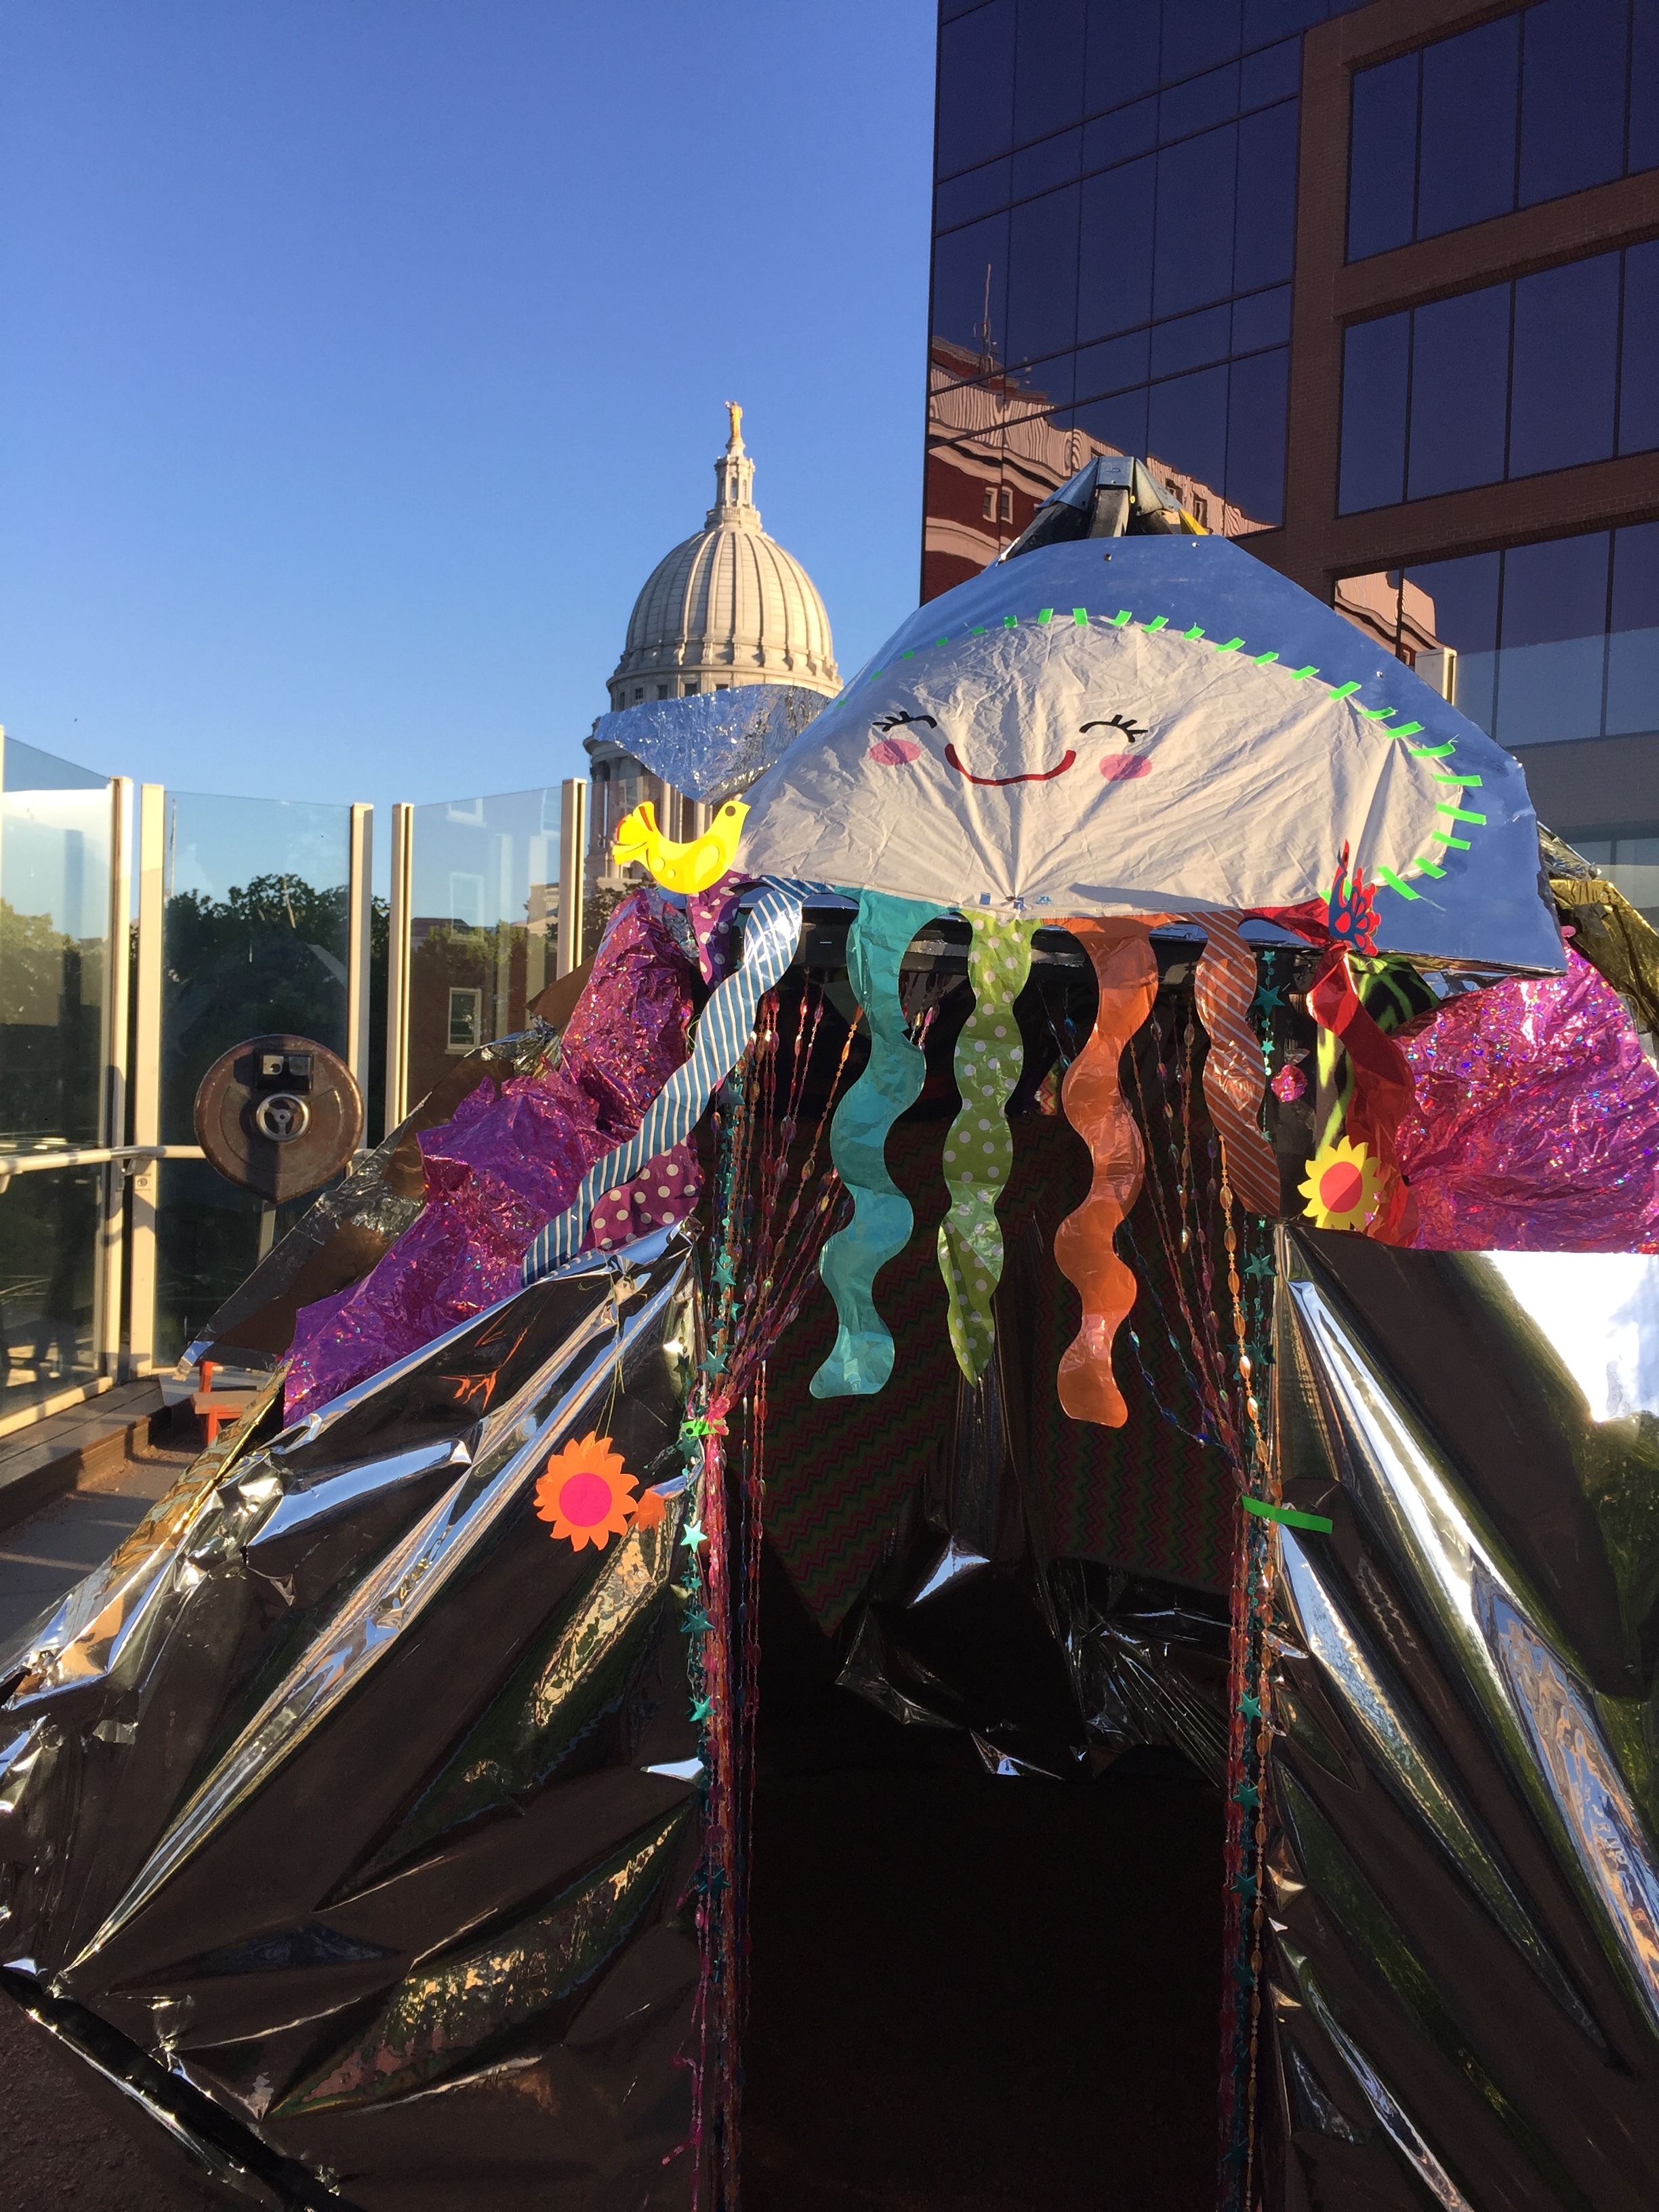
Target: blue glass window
[1194, 246]
[1274, 75]
[1122, 56]
[1042, 269]
[976, 192]
[1460, 366]
[1633, 627]
[1567, 345]
[1113, 367]
[1376, 366]
[1257, 394]
[1562, 372]
[1197, 34]
[1120, 421]
[1051, 162]
[975, 87]
[971, 286]
[1572, 98]
[1466, 157]
[1049, 66]
[1126, 130]
[1187, 425]
[1264, 246]
[1262, 319]
[1198, 103]
[1191, 340]
[1548, 100]
[1553, 641]
[1114, 274]
[1638, 384]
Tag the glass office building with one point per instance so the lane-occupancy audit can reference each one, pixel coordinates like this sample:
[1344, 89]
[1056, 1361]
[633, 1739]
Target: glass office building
[1375, 288]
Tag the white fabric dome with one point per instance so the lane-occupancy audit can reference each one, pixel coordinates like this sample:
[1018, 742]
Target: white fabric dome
[727, 606]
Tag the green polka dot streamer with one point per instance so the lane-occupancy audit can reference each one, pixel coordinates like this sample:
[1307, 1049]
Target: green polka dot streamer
[980, 1149]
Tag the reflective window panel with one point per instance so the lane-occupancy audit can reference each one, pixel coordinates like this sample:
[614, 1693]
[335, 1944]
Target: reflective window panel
[1548, 100]
[1550, 372]
[1554, 641]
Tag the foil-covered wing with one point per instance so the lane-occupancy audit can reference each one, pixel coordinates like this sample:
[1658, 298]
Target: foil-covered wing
[1463, 1893]
[347, 1819]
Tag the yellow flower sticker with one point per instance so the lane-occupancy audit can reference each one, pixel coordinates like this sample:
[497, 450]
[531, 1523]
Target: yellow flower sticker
[1341, 1187]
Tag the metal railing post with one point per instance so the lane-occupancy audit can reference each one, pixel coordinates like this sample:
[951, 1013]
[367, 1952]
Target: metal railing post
[572, 863]
[147, 1077]
[397, 981]
[112, 1114]
[360, 913]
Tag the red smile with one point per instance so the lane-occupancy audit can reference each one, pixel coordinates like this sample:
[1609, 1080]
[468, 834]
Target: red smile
[1047, 776]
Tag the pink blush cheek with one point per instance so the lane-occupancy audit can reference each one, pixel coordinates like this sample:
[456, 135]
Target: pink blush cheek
[1123, 767]
[893, 752]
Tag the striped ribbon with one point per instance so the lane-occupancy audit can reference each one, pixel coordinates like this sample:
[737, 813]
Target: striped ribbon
[979, 1151]
[1235, 1073]
[728, 1021]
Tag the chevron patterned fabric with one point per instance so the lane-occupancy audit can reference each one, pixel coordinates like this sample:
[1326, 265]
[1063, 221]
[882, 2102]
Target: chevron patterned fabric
[1143, 1496]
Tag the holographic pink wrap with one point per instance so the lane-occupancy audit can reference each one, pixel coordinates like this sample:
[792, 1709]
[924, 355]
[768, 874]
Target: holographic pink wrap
[508, 1162]
[1535, 1126]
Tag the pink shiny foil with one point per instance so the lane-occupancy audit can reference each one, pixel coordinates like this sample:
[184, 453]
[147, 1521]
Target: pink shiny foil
[509, 1161]
[1535, 1124]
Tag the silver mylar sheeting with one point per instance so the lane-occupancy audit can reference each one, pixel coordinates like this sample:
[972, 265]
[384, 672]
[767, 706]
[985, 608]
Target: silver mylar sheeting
[346, 1819]
[1463, 1883]
[716, 742]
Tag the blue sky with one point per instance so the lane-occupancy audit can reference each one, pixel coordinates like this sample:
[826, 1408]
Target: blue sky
[362, 357]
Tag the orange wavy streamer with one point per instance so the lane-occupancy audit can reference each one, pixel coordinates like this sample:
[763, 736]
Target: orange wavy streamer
[1127, 971]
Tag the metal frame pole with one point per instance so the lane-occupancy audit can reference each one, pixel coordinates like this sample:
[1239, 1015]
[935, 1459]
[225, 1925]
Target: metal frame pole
[112, 1114]
[572, 868]
[359, 910]
[147, 1076]
[397, 990]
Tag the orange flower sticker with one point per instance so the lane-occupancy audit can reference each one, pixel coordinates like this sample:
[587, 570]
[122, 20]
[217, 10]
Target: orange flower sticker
[586, 1493]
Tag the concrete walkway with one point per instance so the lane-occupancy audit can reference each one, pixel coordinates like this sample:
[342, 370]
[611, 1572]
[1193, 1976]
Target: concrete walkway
[43, 1557]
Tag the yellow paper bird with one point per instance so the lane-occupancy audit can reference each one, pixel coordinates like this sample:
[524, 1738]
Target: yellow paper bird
[685, 868]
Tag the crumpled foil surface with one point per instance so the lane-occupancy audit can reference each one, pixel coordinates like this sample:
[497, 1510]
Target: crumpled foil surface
[347, 1820]
[715, 742]
[1461, 1938]
[512, 1158]
[1535, 1126]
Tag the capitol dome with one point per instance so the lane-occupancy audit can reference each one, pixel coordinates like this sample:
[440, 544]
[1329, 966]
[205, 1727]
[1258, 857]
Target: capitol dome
[728, 606]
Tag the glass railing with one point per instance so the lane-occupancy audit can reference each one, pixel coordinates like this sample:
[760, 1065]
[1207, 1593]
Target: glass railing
[255, 939]
[483, 913]
[55, 835]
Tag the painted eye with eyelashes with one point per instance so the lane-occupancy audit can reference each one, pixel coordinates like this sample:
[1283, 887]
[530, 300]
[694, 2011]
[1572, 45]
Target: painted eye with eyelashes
[891, 751]
[1124, 767]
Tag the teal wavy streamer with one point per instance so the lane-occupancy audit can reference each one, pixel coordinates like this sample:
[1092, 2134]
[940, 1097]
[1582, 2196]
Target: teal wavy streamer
[862, 1358]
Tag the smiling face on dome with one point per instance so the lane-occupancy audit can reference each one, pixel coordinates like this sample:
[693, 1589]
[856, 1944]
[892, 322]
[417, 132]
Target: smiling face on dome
[1094, 767]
